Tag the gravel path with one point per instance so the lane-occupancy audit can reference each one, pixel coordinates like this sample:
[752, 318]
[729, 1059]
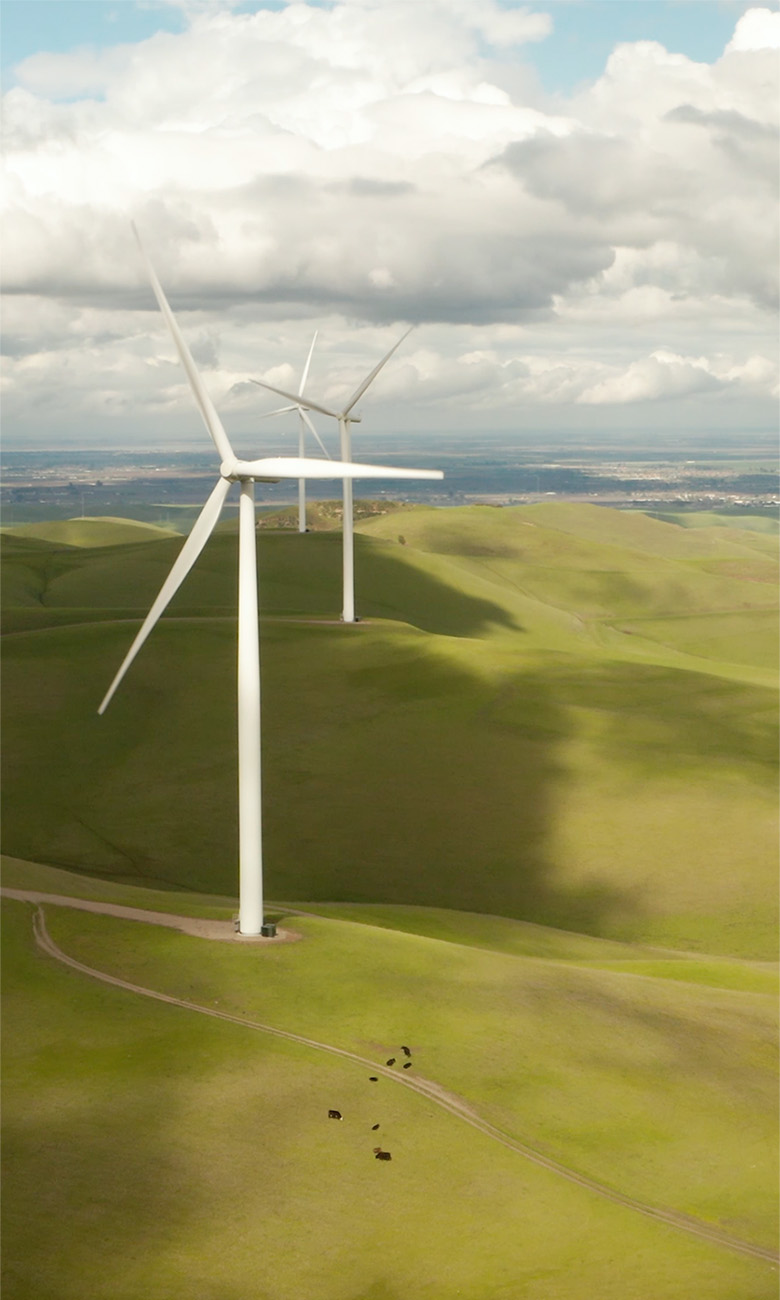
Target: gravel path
[427, 1088]
[201, 927]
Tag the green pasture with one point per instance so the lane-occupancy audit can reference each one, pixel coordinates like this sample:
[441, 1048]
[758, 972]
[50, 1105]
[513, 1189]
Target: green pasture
[485, 741]
[39, 877]
[399, 771]
[530, 805]
[525, 939]
[760, 523]
[91, 531]
[474, 929]
[644, 1084]
[161, 1153]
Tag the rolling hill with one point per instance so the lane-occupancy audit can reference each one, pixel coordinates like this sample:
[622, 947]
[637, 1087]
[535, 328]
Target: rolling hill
[561, 714]
[168, 1152]
[520, 818]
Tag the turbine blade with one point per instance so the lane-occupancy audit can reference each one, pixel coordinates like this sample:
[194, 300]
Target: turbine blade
[187, 556]
[280, 410]
[305, 375]
[204, 402]
[296, 397]
[356, 396]
[308, 421]
[311, 467]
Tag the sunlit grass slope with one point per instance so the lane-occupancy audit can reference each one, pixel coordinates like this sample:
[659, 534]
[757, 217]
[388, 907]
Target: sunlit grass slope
[170, 1154]
[762, 523]
[639, 1082]
[92, 531]
[474, 929]
[598, 564]
[504, 735]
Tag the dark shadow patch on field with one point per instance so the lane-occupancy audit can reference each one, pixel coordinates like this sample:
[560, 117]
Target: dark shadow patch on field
[302, 574]
[378, 1290]
[76, 1171]
[299, 574]
[388, 586]
[96, 794]
[93, 1177]
[391, 774]
[434, 792]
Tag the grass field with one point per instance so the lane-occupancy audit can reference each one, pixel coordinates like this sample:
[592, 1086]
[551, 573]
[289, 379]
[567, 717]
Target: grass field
[168, 1154]
[471, 746]
[88, 531]
[523, 817]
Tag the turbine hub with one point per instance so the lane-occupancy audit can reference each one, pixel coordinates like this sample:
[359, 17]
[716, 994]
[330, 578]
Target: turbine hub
[229, 470]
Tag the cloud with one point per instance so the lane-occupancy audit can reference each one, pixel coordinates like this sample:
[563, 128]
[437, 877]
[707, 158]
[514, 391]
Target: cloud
[758, 29]
[662, 375]
[362, 164]
[665, 375]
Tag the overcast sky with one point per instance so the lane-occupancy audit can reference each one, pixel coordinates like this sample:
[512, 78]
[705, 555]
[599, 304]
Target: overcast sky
[575, 202]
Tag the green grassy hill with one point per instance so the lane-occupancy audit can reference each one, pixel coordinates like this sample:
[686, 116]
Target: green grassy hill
[159, 1135]
[559, 714]
[530, 805]
[91, 531]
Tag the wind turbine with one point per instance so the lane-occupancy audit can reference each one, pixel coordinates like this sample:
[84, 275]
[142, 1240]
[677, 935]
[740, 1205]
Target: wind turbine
[303, 420]
[246, 473]
[345, 420]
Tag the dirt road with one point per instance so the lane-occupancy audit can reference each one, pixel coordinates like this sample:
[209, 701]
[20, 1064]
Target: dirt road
[426, 1088]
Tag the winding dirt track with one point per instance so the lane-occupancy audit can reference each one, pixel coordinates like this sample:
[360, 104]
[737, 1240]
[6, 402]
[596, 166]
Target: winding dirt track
[426, 1088]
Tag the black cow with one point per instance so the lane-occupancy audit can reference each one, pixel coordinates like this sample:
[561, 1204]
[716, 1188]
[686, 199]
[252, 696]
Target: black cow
[335, 1114]
[383, 1155]
[391, 1061]
[407, 1051]
[408, 1065]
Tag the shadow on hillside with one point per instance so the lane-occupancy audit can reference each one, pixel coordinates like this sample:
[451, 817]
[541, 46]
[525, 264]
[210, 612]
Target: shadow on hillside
[303, 574]
[434, 788]
[390, 586]
[299, 574]
[105, 1170]
[391, 773]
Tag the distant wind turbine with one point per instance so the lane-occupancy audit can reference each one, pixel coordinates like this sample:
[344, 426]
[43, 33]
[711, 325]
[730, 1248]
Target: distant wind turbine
[345, 420]
[245, 472]
[303, 420]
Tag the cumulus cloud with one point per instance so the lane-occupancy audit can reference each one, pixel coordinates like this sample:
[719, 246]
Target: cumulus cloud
[363, 164]
[758, 29]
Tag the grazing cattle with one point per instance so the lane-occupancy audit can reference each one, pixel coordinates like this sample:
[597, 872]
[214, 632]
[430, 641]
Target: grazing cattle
[407, 1051]
[377, 1150]
[374, 1128]
[383, 1155]
[408, 1065]
[372, 1078]
[391, 1061]
[335, 1114]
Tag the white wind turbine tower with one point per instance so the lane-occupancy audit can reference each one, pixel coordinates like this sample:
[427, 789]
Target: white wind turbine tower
[345, 420]
[303, 420]
[246, 473]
